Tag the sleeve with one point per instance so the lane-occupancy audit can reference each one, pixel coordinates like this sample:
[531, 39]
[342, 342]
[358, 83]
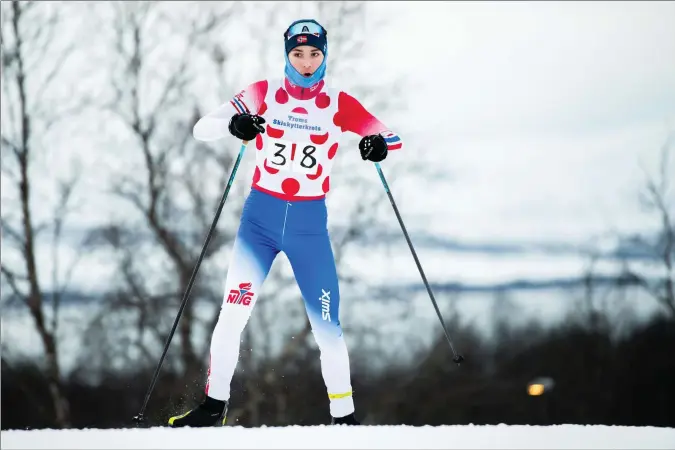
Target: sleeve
[213, 126]
[352, 116]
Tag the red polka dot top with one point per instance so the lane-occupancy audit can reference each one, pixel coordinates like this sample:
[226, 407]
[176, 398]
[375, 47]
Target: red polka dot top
[295, 155]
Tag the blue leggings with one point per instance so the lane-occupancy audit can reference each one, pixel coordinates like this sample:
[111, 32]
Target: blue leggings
[270, 225]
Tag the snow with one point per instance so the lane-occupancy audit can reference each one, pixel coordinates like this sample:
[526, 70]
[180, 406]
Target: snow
[315, 437]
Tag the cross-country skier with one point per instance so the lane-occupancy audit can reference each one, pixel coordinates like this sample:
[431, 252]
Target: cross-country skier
[295, 125]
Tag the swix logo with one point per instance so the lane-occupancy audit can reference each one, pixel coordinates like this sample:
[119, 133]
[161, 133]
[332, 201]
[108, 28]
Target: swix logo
[302, 39]
[243, 296]
[325, 305]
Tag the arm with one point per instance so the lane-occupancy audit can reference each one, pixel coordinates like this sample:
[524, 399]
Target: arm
[213, 126]
[352, 116]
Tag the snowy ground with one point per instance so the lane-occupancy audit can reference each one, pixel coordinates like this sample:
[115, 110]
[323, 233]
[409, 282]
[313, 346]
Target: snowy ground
[315, 437]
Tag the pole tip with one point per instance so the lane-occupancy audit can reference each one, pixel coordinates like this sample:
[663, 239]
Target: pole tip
[458, 359]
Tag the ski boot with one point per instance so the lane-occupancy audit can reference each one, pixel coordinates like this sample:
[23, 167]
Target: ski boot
[210, 413]
[346, 420]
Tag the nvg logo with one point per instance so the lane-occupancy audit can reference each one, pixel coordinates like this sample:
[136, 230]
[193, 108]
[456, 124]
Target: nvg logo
[242, 296]
[325, 305]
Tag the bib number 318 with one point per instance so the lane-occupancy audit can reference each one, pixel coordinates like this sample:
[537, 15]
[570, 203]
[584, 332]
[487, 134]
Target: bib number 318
[282, 155]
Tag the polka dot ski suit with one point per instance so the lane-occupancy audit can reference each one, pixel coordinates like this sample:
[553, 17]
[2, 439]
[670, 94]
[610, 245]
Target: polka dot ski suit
[286, 211]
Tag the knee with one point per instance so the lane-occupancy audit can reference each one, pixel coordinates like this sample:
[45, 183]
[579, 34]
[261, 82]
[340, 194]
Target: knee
[231, 320]
[326, 334]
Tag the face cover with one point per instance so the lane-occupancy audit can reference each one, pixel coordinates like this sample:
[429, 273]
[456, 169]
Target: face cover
[305, 32]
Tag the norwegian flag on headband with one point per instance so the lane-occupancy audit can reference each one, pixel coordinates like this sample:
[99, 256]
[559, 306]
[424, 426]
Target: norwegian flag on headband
[302, 39]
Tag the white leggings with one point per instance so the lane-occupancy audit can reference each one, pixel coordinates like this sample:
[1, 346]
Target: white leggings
[256, 245]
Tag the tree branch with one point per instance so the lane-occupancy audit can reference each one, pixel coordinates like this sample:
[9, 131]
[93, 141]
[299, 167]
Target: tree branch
[60, 213]
[11, 279]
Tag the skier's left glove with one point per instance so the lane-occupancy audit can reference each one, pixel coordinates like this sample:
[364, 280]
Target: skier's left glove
[246, 126]
[373, 148]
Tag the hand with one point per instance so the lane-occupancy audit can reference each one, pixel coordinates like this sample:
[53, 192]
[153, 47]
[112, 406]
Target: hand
[373, 148]
[246, 126]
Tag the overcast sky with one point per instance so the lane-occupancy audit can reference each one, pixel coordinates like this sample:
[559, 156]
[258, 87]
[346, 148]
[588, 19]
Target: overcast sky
[535, 116]
[541, 111]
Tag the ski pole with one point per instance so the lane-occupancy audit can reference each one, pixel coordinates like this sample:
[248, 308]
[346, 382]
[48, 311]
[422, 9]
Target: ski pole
[139, 418]
[457, 357]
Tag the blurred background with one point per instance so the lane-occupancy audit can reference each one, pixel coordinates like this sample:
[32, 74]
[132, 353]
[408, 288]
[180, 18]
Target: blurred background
[536, 183]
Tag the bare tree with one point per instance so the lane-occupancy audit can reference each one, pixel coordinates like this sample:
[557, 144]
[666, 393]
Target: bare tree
[592, 310]
[33, 62]
[657, 198]
[171, 186]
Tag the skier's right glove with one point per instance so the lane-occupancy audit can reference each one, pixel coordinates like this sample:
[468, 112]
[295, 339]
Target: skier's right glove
[246, 126]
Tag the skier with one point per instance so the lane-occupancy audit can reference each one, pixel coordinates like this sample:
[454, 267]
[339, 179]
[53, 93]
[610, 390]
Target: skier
[295, 125]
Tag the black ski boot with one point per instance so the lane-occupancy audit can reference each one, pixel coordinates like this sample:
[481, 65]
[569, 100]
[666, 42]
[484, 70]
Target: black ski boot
[210, 413]
[346, 420]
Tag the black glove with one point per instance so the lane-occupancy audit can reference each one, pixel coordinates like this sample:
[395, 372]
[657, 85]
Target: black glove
[373, 148]
[246, 126]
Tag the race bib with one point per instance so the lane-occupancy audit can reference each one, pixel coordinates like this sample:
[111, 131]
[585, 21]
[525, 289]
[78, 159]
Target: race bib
[299, 157]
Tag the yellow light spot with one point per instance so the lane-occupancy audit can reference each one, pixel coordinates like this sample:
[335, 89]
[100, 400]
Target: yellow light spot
[535, 389]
